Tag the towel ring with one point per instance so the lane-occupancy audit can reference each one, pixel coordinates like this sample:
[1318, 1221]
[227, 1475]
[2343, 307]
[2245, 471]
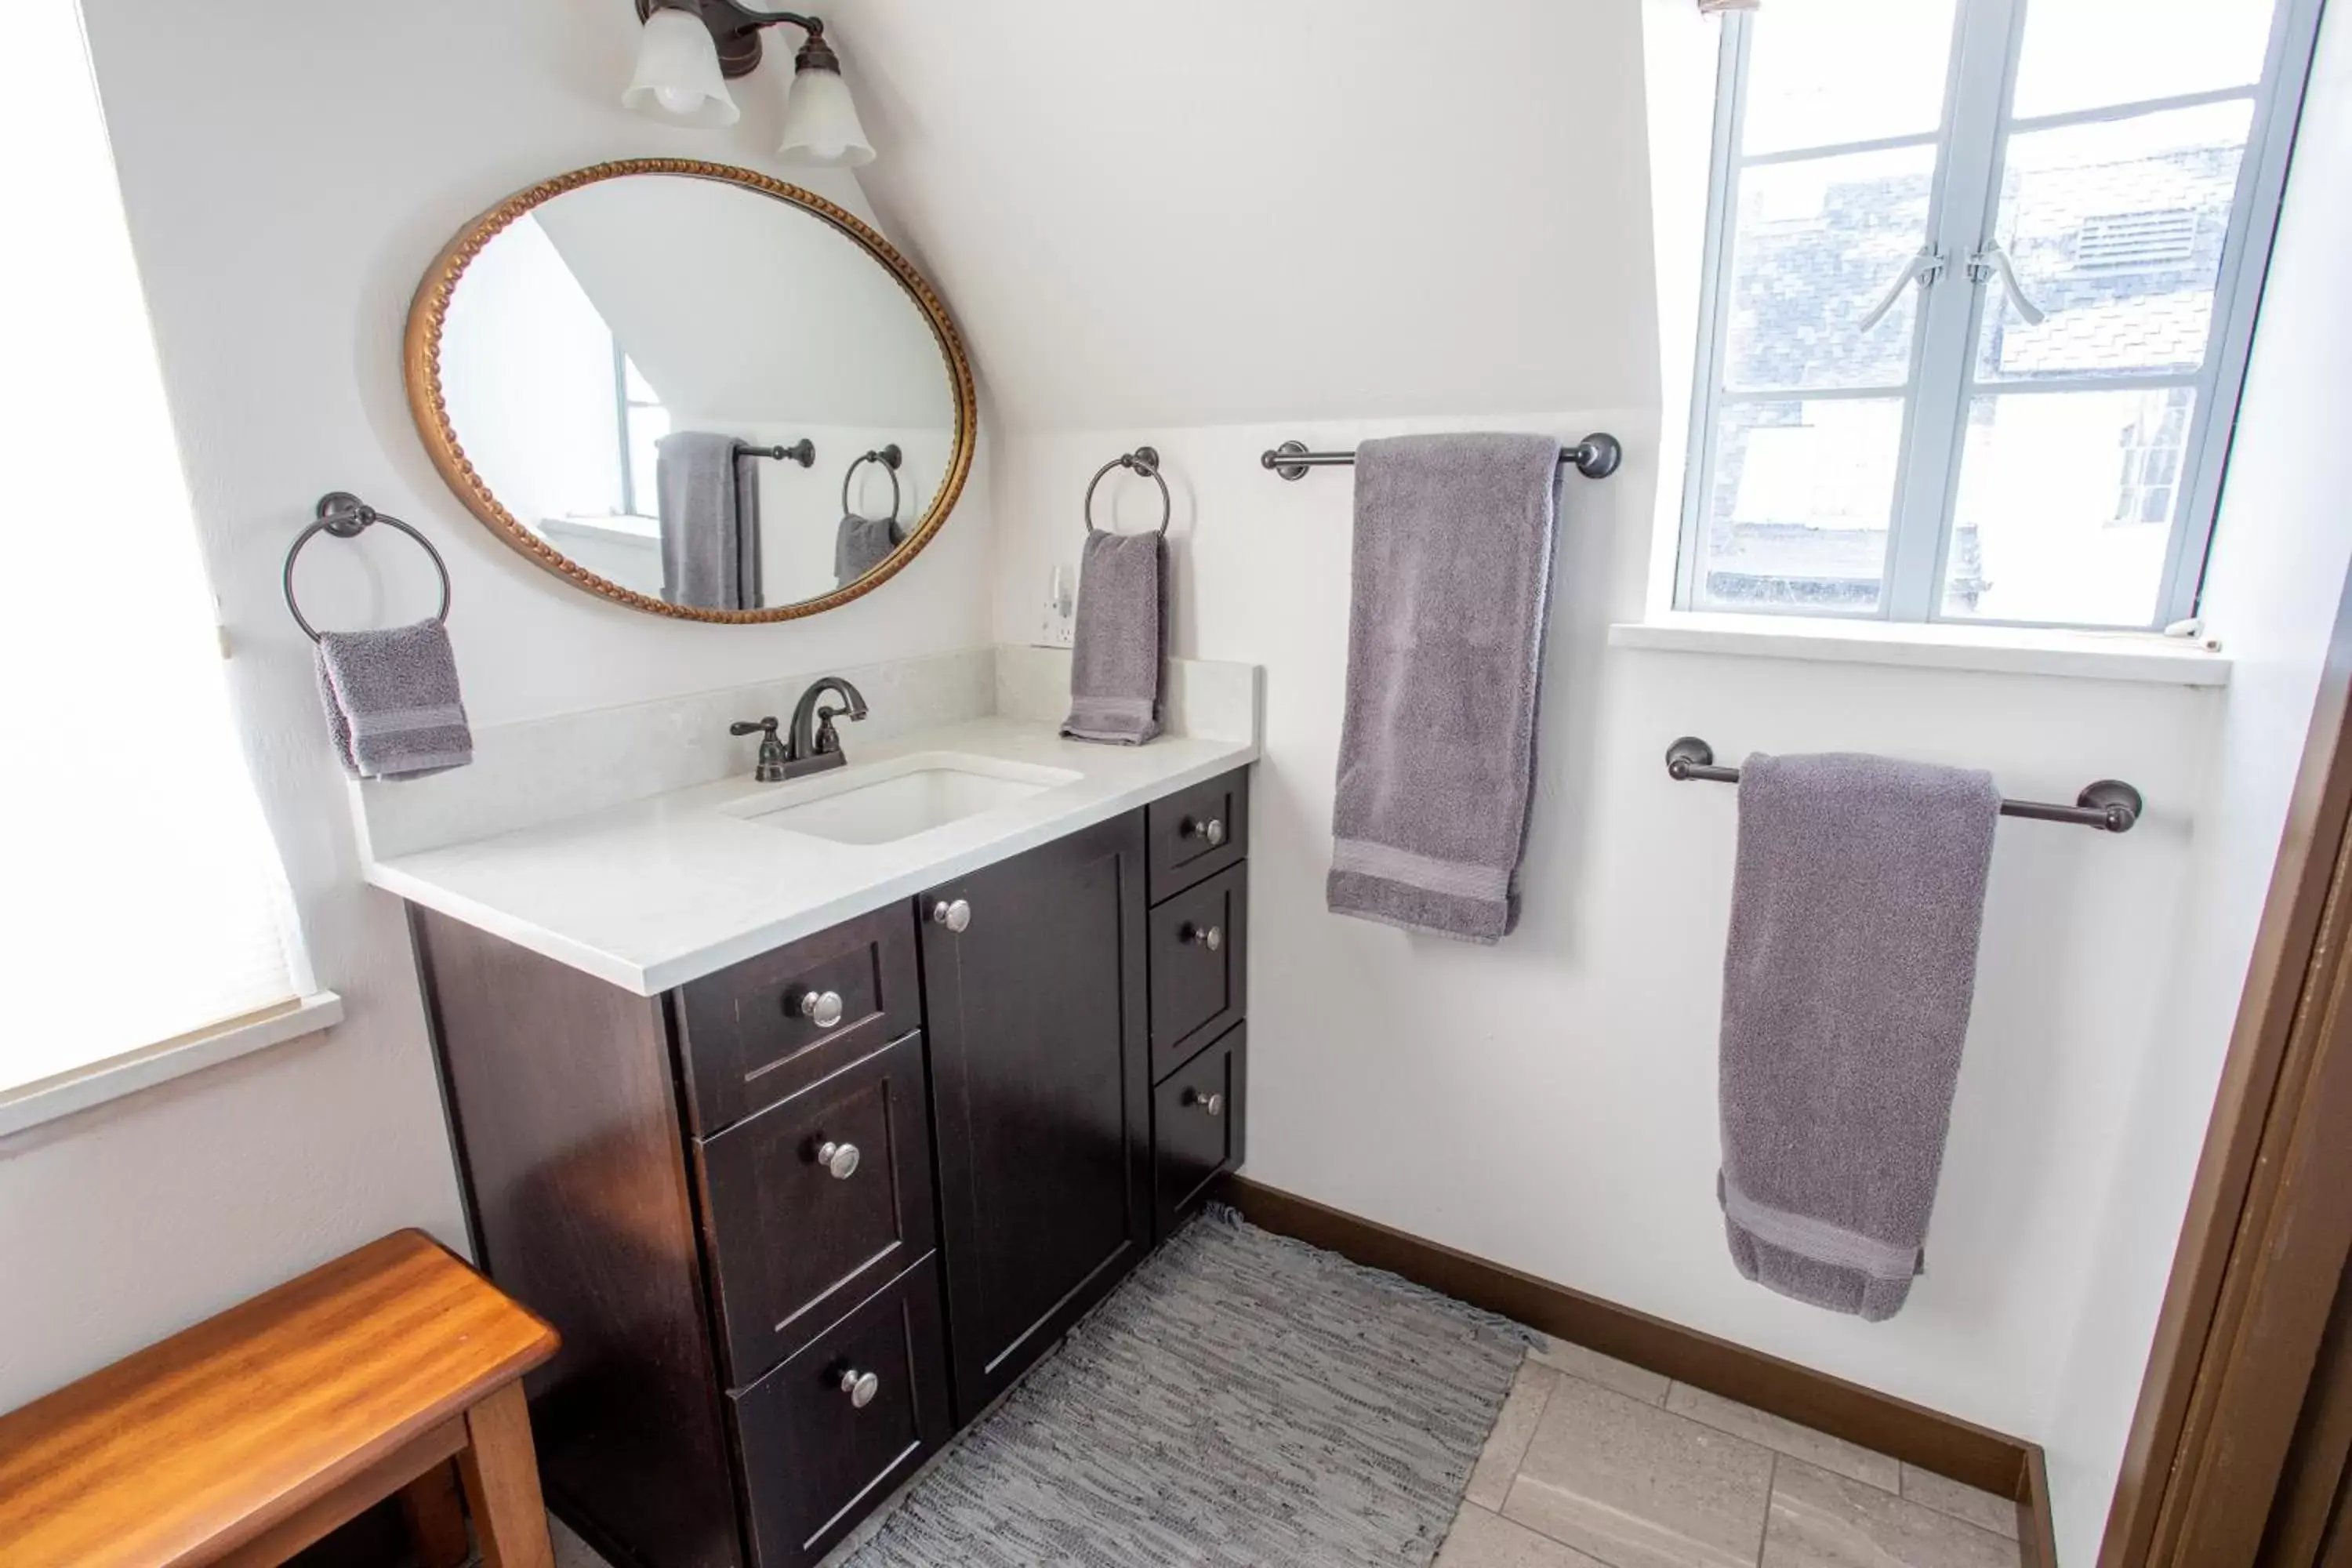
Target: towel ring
[345, 516]
[889, 458]
[1144, 460]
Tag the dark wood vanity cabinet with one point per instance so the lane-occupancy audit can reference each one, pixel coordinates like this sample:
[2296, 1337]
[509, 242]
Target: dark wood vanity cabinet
[801, 1218]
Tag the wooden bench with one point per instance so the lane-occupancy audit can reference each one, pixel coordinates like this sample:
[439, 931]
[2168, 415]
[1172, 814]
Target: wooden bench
[249, 1436]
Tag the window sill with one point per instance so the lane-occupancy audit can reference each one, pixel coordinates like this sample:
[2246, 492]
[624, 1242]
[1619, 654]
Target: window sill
[2002, 651]
[65, 1093]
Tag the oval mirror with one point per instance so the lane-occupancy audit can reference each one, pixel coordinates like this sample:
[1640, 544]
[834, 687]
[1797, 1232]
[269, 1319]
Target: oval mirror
[693, 389]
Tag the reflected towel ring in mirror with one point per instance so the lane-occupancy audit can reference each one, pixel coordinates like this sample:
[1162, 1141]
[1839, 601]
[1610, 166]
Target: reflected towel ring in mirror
[346, 516]
[889, 458]
[1144, 460]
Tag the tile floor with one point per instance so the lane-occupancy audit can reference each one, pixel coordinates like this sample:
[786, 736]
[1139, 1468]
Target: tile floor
[1596, 1464]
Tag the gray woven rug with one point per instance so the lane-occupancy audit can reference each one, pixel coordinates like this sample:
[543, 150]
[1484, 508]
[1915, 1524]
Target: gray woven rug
[1244, 1400]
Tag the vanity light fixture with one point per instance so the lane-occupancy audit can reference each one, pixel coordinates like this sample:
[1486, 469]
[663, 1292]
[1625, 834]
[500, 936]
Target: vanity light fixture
[691, 48]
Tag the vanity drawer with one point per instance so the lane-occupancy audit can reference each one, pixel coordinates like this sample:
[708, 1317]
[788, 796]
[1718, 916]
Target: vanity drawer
[1196, 1129]
[746, 1039]
[1199, 972]
[811, 1203]
[814, 1460]
[1197, 833]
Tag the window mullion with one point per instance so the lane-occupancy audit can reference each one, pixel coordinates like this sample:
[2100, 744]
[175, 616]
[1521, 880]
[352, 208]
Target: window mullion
[1935, 428]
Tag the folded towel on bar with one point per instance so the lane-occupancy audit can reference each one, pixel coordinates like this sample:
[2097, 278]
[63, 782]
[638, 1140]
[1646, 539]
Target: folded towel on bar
[1120, 638]
[862, 543]
[707, 488]
[393, 703]
[1445, 626]
[1860, 888]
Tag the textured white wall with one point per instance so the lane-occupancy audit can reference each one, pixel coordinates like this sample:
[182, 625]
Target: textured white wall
[288, 177]
[1188, 215]
[2280, 554]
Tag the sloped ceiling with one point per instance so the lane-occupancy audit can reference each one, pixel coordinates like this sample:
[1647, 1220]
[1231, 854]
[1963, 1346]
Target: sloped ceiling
[1226, 213]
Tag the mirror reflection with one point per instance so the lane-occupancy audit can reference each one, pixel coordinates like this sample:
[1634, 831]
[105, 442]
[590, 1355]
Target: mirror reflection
[699, 392]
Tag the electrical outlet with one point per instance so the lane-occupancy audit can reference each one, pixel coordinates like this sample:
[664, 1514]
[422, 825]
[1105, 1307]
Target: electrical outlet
[1057, 618]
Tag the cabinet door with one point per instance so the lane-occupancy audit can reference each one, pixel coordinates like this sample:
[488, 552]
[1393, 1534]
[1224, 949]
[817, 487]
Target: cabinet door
[1040, 1074]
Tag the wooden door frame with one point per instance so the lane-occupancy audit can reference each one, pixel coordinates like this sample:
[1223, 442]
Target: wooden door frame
[2268, 1229]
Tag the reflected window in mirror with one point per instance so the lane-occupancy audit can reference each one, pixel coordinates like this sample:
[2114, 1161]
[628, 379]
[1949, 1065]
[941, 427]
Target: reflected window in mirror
[644, 422]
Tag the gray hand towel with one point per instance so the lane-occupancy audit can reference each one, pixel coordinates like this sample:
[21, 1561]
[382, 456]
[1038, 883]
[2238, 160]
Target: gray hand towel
[1120, 637]
[393, 703]
[861, 544]
[1445, 626]
[708, 490]
[1846, 985]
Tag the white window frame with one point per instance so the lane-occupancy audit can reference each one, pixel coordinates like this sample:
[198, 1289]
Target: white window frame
[1971, 145]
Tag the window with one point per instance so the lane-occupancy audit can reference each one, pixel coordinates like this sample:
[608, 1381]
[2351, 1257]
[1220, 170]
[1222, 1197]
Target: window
[144, 895]
[644, 422]
[1981, 283]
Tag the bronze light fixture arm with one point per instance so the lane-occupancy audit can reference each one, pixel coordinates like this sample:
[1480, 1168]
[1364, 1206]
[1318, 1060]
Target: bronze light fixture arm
[736, 29]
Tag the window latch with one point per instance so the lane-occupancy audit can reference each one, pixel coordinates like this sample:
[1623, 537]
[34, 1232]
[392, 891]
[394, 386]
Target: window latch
[1993, 261]
[1923, 270]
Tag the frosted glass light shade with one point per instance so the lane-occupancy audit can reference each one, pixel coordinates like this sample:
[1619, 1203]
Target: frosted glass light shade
[821, 128]
[678, 75]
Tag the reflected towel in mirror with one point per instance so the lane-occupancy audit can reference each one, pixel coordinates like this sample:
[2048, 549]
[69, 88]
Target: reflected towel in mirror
[709, 497]
[863, 543]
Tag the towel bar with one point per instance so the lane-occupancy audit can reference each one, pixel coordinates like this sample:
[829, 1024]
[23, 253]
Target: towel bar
[2110, 805]
[1596, 457]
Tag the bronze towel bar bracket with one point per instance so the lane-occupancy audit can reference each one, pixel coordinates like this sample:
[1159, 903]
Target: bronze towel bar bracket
[2111, 805]
[802, 451]
[1596, 457]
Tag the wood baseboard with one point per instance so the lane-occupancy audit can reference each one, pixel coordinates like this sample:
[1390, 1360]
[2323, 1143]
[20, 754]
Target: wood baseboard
[1913, 1433]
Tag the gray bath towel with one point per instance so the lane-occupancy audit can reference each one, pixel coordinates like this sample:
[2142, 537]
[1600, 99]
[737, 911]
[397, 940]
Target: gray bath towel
[1437, 742]
[1846, 985]
[1120, 638]
[861, 544]
[710, 496]
[393, 703]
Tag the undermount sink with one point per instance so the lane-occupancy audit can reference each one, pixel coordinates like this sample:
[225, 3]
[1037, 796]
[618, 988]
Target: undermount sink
[882, 801]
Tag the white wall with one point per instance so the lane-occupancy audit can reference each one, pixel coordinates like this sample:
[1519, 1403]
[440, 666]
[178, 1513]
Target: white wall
[2280, 554]
[1172, 215]
[288, 185]
[1550, 1103]
[527, 373]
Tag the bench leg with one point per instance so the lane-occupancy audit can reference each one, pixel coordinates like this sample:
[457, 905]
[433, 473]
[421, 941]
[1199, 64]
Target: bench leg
[502, 1483]
[436, 1520]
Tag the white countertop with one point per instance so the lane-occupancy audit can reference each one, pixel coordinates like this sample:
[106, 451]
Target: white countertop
[660, 891]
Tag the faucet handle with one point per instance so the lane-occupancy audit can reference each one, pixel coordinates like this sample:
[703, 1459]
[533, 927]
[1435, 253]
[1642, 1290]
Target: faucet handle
[754, 727]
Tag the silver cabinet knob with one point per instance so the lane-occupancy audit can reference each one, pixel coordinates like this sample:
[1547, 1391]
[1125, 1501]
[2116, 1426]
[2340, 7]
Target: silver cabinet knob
[1212, 1104]
[1212, 832]
[821, 1007]
[840, 1163]
[954, 916]
[1211, 937]
[861, 1386]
